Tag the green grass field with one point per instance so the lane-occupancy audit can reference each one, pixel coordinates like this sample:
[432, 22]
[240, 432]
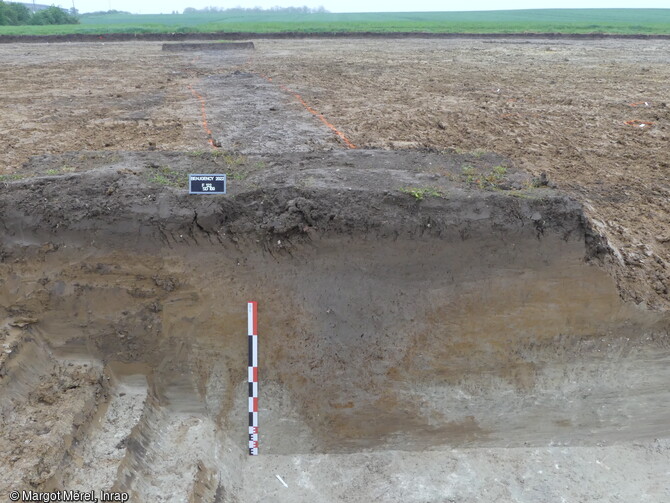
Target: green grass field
[620, 21]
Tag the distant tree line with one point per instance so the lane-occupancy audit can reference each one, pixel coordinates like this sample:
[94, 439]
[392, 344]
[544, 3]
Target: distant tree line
[241, 10]
[18, 14]
[106, 12]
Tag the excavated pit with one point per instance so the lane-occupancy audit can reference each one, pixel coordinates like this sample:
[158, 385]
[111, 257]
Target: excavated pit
[389, 323]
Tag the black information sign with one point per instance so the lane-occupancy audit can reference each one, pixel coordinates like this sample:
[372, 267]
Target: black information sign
[207, 184]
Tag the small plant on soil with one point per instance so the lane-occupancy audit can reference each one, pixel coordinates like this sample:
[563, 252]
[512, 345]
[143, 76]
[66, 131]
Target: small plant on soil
[237, 175]
[160, 179]
[164, 175]
[52, 172]
[495, 176]
[68, 169]
[196, 153]
[489, 180]
[233, 159]
[11, 178]
[421, 193]
[500, 170]
[469, 173]
[520, 194]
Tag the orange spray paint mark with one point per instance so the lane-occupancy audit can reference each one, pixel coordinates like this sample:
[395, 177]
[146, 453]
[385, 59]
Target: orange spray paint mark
[203, 113]
[638, 123]
[313, 112]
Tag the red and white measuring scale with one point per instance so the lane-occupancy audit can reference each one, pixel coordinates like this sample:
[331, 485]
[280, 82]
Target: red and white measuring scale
[252, 322]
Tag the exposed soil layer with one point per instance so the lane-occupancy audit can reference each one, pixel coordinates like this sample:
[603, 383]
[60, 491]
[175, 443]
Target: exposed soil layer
[592, 115]
[438, 322]
[219, 46]
[568, 118]
[390, 324]
[281, 124]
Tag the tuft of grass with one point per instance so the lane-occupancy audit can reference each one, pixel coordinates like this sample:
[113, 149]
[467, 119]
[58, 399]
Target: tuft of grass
[161, 179]
[52, 172]
[468, 173]
[520, 194]
[478, 152]
[488, 180]
[166, 176]
[495, 176]
[237, 175]
[500, 170]
[235, 164]
[231, 159]
[420, 193]
[11, 178]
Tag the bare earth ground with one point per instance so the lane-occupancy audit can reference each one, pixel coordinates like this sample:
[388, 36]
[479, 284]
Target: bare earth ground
[556, 107]
[528, 380]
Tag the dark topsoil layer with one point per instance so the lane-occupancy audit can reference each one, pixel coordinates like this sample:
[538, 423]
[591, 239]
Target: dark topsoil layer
[140, 200]
[161, 37]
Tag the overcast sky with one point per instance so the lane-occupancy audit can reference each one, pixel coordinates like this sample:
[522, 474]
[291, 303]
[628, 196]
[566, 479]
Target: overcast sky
[167, 6]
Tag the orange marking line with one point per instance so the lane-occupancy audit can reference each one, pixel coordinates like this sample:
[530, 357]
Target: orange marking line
[203, 112]
[638, 123]
[313, 112]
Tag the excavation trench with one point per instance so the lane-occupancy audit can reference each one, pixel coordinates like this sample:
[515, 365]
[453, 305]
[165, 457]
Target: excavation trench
[387, 322]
